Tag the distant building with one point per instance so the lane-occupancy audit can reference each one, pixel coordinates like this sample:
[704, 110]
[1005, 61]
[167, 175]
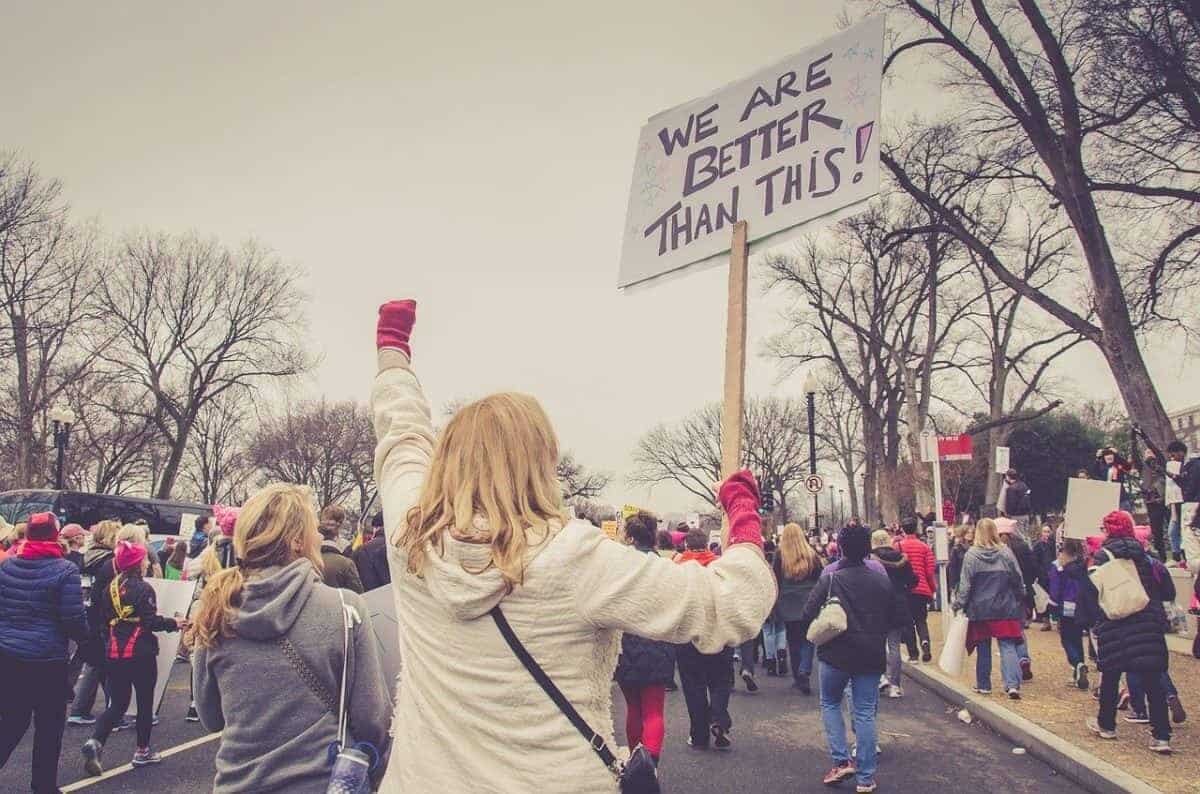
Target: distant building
[1186, 424]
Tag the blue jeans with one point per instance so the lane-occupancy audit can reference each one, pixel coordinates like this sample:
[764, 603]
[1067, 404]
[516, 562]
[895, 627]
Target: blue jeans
[1010, 664]
[1137, 691]
[1174, 529]
[774, 638]
[1071, 636]
[864, 695]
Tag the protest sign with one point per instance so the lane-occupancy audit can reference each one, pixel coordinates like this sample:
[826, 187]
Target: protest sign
[1002, 460]
[693, 520]
[187, 525]
[609, 528]
[795, 141]
[174, 598]
[1088, 502]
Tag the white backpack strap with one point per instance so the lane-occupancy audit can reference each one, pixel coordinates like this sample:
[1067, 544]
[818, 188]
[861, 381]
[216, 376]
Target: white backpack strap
[350, 618]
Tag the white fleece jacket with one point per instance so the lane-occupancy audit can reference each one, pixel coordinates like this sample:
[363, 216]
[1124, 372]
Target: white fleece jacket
[468, 715]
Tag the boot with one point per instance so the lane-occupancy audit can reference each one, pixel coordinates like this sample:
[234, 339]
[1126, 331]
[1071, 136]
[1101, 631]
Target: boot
[772, 668]
[781, 657]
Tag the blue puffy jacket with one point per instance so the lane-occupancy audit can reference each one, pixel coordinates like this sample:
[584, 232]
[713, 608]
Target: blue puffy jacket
[41, 606]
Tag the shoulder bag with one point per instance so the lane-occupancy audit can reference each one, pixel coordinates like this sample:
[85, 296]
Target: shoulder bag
[831, 622]
[638, 775]
[1120, 587]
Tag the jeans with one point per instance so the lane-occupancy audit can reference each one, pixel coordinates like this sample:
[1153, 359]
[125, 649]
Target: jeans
[1110, 684]
[774, 638]
[90, 678]
[918, 607]
[800, 650]
[706, 680]
[746, 653]
[35, 692]
[126, 676]
[893, 657]
[1137, 690]
[1071, 636]
[1010, 665]
[1173, 530]
[864, 694]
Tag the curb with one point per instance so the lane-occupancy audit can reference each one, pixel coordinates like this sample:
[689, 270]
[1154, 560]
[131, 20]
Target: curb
[1069, 760]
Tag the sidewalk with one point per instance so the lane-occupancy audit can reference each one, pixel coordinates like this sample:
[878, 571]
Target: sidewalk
[1047, 702]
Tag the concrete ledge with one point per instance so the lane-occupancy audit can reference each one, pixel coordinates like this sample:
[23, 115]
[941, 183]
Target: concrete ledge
[1073, 762]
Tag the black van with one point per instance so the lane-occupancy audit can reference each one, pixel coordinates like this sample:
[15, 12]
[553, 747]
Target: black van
[86, 509]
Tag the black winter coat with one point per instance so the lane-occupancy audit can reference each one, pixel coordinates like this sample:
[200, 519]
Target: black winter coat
[871, 612]
[129, 639]
[372, 564]
[793, 593]
[645, 662]
[1044, 555]
[900, 574]
[954, 566]
[98, 565]
[1138, 642]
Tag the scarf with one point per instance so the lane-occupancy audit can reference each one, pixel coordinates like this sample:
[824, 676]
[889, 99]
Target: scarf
[40, 550]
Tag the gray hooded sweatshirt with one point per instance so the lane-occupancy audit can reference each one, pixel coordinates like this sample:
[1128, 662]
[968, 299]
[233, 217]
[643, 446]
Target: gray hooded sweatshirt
[991, 587]
[276, 730]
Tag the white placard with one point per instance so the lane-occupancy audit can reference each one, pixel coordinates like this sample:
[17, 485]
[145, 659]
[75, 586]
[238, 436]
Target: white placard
[187, 526]
[693, 520]
[1088, 502]
[173, 597]
[795, 141]
[1002, 456]
[941, 542]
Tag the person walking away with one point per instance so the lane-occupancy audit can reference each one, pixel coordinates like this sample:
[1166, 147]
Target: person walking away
[1066, 579]
[164, 554]
[176, 563]
[645, 667]
[1014, 500]
[272, 616]
[964, 536]
[41, 608]
[371, 558]
[130, 610]
[98, 570]
[706, 678]
[857, 657]
[991, 594]
[797, 569]
[920, 596]
[1027, 565]
[194, 566]
[774, 633]
[900, 573]
[339, 570]
[1132, 644]
[1045, 552]
[483, 542]
[73, 535]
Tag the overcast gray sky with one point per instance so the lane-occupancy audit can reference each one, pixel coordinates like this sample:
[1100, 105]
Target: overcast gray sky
[473, 155]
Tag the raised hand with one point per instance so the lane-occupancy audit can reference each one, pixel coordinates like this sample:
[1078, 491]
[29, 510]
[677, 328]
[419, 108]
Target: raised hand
[396, 320]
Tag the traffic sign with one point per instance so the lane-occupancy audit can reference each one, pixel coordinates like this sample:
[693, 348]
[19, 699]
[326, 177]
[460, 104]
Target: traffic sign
[814, 483]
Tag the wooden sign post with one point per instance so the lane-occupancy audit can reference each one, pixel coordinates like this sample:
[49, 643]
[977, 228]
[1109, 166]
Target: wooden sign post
[733, 406]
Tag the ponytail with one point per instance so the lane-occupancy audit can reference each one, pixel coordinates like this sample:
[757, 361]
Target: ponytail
[219, 600]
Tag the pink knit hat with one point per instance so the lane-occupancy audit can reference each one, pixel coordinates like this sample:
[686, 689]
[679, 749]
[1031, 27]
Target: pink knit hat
[1005, 526]
[1094, 542]
[1142, 533]
[129, 555]
[226, 518]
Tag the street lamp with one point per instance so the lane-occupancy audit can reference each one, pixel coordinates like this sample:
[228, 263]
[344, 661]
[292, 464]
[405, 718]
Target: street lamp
[810, 391]
[61, 419]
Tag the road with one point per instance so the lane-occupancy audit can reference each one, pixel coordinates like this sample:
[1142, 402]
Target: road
[778, 747]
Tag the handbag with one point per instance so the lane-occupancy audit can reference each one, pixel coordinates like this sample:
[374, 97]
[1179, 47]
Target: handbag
[830, 623]
[1120, 587]
[638, 775]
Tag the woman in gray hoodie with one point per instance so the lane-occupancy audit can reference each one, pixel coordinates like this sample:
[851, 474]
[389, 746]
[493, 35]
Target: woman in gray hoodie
[991, 592]
[269, 626]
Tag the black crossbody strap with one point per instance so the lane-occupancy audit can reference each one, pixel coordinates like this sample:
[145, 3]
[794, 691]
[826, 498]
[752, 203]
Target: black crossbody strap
[594, 739]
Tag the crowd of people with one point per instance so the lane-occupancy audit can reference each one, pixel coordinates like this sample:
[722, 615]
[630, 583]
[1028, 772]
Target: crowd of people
[516, 619]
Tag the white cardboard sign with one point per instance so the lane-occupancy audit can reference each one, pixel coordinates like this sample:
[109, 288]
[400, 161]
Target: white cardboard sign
[793, 142]
[1088, 502]
[1002, 459]
[173, 598]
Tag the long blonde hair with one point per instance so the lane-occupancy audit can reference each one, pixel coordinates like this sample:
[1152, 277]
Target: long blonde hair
[497, 460]
[797, 558]
[986, 534]
[104, 534]
[276, 527]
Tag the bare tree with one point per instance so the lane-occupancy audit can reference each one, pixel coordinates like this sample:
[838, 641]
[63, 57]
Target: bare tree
[217, 467]
[47, 282]
[194, 320]
[112, 441]
[577, 482]
[839, 430]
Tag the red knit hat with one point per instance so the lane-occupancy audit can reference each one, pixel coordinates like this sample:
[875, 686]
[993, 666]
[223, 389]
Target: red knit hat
[1118, 524]
[42, 526]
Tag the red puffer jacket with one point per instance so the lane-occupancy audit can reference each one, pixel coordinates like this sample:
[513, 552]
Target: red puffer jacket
[923, 564]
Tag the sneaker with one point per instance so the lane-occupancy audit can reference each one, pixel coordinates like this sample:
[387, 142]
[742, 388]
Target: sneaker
[914, 659]
[1123, 700]
[981, 691]
[839, 773]
[803, 685]
[1095, 728]
[1137, 719]
[1160, 746]
[721, 738]
[1178, 714]
[692, 743]
[895, 692]
[1026, 670]
[81, 719]
[123, 724]
[194, 716]
[866, 788]
[145, 757]
[884, 683]
[1081, 676]
[1014, 694]
[1047, 627]
[92, 752]
[926, 652]
[748, 678]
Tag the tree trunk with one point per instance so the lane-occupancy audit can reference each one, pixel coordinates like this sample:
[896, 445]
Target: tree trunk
[170, 471]
[873, 447]
[997, 437]
[30, 458]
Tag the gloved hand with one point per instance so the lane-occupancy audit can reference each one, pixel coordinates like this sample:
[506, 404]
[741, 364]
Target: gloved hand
[739, 496]
[396, 320]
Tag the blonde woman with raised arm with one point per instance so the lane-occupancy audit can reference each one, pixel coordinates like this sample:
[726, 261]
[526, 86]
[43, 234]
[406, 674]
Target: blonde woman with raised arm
[475, 521]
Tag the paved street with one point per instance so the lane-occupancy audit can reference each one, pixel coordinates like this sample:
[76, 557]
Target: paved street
[778, 748]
